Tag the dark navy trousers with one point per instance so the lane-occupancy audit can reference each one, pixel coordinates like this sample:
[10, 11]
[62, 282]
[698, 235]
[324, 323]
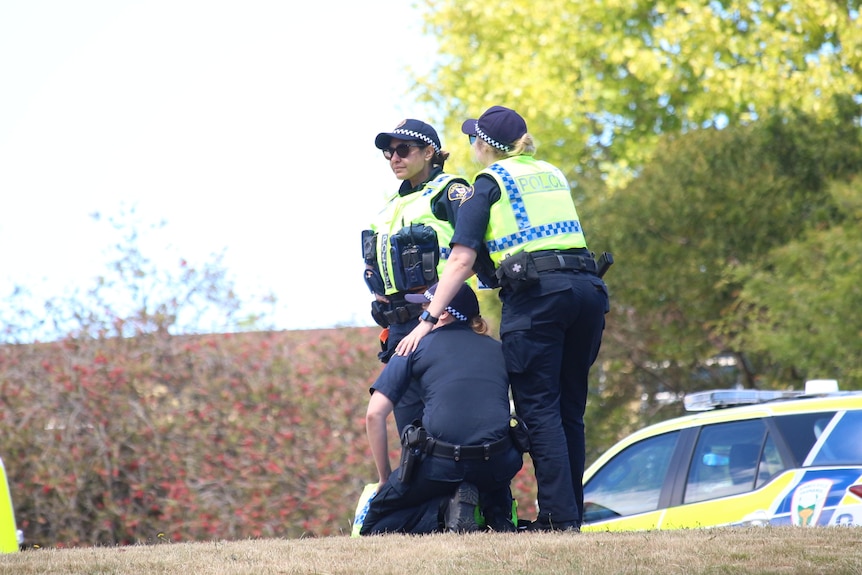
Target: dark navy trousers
[551, 334]
[417, 507]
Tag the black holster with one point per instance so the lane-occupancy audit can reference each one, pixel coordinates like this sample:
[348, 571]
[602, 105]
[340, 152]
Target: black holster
[413, 440]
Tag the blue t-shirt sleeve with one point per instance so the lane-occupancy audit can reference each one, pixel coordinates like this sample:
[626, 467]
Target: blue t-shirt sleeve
[394, 380]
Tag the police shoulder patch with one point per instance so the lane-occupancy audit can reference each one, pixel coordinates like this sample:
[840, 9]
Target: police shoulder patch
[460, 193]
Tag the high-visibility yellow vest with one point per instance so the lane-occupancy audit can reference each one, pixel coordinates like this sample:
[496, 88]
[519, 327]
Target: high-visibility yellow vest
[535, 212]
[401, 211]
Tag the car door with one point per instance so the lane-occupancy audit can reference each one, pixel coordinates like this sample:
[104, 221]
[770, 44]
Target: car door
[630, 491]
[735, 475]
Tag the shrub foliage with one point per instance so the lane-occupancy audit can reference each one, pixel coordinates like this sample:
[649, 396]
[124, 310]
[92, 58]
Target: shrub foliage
[235, 436]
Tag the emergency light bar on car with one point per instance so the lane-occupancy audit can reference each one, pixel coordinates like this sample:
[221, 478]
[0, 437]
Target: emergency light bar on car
[707, 400]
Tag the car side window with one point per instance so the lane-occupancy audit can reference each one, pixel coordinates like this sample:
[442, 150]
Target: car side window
[731, 458]
[844, 444]
[801, 431]
[632, 481]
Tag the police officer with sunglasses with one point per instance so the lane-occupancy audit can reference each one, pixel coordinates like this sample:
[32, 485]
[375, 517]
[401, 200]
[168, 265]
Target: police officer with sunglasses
[407, 244]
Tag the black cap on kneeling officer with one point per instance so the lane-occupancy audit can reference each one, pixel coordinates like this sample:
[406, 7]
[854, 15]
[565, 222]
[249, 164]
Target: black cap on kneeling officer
[463, 307]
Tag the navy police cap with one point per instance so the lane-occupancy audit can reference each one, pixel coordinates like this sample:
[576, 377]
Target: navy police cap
[498, 126]
[410, 130]
[464, 306]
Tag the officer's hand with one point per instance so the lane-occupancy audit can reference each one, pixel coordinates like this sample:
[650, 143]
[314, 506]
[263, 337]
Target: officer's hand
[411, 340]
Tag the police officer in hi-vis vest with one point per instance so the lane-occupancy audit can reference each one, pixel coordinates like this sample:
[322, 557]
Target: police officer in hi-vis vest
[408, 242]
[518, 228]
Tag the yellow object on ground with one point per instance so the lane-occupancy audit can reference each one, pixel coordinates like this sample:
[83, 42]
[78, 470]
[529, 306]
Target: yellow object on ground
[368, 494]
[8, 529]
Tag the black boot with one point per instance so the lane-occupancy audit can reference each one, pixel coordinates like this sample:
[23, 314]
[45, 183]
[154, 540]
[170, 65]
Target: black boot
[459, 515]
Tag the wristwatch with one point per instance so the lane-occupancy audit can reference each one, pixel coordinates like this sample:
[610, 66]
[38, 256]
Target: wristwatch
[425, 316]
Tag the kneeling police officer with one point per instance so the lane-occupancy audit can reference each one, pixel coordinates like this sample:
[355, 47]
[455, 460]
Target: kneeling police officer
[461, 454]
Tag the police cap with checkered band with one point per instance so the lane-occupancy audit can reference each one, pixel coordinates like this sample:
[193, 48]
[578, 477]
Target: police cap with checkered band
[464, 306]
[500, 127]
[409, 130]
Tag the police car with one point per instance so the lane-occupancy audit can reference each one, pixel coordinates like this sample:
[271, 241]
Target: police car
[746, 457]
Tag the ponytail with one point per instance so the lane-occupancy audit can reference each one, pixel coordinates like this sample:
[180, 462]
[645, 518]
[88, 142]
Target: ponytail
[479, 325]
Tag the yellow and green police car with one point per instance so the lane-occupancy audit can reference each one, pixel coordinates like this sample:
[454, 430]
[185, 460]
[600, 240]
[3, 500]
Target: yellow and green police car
[746, 457]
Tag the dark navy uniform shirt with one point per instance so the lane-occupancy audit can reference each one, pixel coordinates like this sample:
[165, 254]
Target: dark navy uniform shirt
[461, 377]
[470, 217]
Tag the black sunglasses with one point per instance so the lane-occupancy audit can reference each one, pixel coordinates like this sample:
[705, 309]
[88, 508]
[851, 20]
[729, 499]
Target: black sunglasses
[403, 150]
[472, 139]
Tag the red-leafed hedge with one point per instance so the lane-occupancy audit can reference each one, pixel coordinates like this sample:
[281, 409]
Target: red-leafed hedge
[129, 440]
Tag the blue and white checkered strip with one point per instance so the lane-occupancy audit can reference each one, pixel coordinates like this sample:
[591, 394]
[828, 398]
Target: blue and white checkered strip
[418, 135]
[515, 199]
[434, 186]
[543, 231]
[456, 313]
[430, 297]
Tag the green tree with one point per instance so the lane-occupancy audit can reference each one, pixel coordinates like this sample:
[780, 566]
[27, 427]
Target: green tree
[598, 81]
[798, 304]
[690, 232]
[737, 260]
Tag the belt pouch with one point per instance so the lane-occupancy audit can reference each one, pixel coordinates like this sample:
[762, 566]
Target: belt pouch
[378, 315]
[415, 254]
[518, 272]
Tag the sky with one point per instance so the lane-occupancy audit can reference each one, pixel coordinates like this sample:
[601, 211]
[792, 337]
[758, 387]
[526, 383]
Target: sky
[246, 127]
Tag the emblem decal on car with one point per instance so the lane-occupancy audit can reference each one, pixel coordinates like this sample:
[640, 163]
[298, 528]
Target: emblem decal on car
[808, 501]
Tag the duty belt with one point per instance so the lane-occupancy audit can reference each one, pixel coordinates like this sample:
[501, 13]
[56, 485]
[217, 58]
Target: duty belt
[403, 313]
[561, 261]
[484, 451]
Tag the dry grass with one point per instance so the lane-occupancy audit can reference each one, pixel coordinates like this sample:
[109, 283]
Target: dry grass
[784, 550]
